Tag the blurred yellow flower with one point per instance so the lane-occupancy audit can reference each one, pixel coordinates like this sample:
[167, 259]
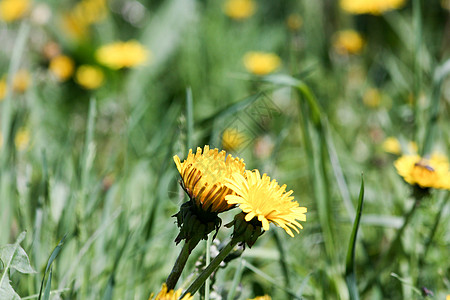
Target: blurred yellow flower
[232, 139]
[11, 10]
[22, 139]
[21, 81]
[348, 42]
[203, 176]
[265, 297]
[374, 7]
[372, 98]
[260, 198]
[164, 294]
[424, 172]
[3, 88]
[62, 67]
[239, 9]
[122, 54]
[261, 63]
[294, 22]
[89, 77]
[392, 145]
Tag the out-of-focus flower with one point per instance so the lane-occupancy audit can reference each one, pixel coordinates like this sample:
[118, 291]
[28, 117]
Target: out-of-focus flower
[122, 54]
[446, 5]
[261, 63]
[392, 145]
[11, 10]
[239, 9]
[374, 7]
[263, 147]
[294, 22]
[3, 88]
[89, 77]
[372, 98]
[265, 297]
[84, 13]
[348, 42]
[426, 173]
[62, 67]
[41, 14]
[260, 198]
[232, 139]
[164, 294]
[22, 139]
[21, 81]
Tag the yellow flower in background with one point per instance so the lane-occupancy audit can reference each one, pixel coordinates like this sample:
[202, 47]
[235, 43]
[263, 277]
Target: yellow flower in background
[3, 87]
[239, 9]
[22, 139]
[265, 297]
[374, 7]
[264, 199]
[122, 54]
[232, 139]
[392, 145]
[424, 172]
[294, 22]
[11, 10]
[348, 42]
[21, 81]
[62, 67]
[203, 176]
[261, 63]
[89, 77]
[372, 98]
[164, 294]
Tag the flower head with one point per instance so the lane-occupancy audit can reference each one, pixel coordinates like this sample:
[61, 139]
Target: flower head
[372, 98]
[22, 139]
[89, 77]
[392, 145]
[239, 9]
[164, 294]
[264, 199]
[11, 10]
[348, 42]
[21, 81]
[374, 7]
[62, 67]
[261, 63]
[203, 175]
[265, 297]
[426, 173]
[122, 54]
[232, 139]
[3, 87]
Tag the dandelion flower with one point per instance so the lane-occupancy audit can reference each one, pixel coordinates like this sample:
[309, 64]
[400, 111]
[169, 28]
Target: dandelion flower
[265, 297]
[239, 9]
[294, 22]
[11, 10]
[3, 88]
[232, 139]
[261, 63]
[122, 54]
[392, 145]
[22, 139]
[426, 173]
[203, 177]
[264, 199]
[164, 294]
[372, 98]
[21, 81]
[62, 67]
[89, 77]
[348, 42]
[374, 7]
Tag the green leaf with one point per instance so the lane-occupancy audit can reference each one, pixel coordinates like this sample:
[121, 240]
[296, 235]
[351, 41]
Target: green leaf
[18, 257]
[48, 286]
[6, 290]
[350, 276]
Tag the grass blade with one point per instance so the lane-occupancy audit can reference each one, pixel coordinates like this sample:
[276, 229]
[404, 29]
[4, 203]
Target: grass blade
[48, 286]
[52, 257]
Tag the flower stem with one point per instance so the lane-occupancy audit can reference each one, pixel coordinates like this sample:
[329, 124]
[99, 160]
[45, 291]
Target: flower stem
[198, 282]
[179, 264]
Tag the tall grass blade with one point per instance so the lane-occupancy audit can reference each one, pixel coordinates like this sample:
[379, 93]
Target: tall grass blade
[52, 257]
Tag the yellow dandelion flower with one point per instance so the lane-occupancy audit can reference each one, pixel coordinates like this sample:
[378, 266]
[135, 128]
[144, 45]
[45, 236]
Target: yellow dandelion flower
[122, 54]
[164, 294]
[264, 199]
[21, 81]
[265, 297]
[62, 67]
[232, 139]
[372, 98]
[203, 176]
[392, 145]
[3, 87]
[89, 77]
[22, 139]
[374, 7]
[294, 22]
[11, 10]
[239, 9]
[261, 63]
[426, 173]
[348, 42]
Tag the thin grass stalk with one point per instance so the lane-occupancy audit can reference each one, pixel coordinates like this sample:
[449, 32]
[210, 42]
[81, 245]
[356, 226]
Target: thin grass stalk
[208, 261]
[282, 260]
[417, 67]
[236, 278]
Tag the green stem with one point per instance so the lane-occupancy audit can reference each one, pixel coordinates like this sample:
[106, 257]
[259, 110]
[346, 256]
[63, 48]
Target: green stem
[198, 282]
[179, 265]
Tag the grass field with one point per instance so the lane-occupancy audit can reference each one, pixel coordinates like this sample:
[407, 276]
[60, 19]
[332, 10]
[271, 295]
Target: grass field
[345, 102]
